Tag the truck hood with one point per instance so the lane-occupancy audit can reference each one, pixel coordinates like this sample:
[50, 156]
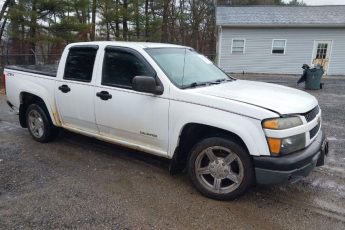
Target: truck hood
[277, 98]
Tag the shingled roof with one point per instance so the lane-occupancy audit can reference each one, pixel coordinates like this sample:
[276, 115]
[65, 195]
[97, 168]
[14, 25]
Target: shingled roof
[282, 16]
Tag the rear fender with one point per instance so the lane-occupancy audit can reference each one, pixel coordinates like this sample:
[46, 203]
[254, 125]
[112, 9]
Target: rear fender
[42, 93]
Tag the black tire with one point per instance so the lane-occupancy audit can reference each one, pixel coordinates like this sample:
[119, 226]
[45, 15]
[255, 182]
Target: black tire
[49, 131]
[244, 172]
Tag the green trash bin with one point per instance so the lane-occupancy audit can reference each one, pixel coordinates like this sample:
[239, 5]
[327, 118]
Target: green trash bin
[313, 78]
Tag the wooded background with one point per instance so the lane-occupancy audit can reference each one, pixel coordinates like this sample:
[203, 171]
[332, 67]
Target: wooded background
[35, 31]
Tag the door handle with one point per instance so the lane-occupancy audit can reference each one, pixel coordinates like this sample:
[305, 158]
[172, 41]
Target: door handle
[104, 95]
[64, 88]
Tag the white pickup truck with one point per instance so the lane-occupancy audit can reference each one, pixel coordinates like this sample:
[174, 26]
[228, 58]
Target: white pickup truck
[170, 101]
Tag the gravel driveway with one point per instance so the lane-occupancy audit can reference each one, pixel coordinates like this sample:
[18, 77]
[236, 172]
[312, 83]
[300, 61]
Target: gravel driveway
[79, 182]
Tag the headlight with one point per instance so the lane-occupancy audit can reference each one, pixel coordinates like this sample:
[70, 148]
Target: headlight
[286, 145]
[282, 123]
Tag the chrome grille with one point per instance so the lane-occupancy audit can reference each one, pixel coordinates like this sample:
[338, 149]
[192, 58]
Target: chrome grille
[314, 131]
[309, 116]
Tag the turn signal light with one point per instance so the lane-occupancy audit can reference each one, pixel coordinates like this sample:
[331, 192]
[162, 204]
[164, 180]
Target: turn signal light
[271, 124]
[275, 145]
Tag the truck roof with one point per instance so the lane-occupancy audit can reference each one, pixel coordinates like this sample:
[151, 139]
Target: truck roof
[142, 45]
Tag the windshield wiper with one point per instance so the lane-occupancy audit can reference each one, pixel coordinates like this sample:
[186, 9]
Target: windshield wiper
[222, 80]
[195, 84]
[207, 83]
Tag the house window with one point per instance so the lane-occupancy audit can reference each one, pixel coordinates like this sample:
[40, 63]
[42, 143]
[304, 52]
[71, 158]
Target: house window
[238, 46]
[321, 52]
[278, 46]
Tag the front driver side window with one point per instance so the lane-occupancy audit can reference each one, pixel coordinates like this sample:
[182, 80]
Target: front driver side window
[120, 67]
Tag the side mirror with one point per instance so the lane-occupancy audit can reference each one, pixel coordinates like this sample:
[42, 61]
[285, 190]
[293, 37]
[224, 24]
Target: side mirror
[147, 85]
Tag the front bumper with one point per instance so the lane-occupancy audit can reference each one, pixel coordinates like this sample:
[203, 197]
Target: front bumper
[275, 170]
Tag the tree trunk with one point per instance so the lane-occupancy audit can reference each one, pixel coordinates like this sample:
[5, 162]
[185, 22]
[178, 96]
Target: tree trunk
[93, 21]
[107, 32]
[195, 25]
[137, 19]
[146, 19]
[182, 22]
[107, 20]
[5, 7]
[117, 21]
[3, 27]
[165, 35]
[152, 4]
[113, 29]
[173, 39]
[32, 34]
[125, 19]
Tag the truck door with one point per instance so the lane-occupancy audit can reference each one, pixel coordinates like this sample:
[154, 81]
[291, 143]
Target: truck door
[130, 117]
[75, 91]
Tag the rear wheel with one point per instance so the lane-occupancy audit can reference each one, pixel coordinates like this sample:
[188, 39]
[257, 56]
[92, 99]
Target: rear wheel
[39, 124]
[220, 168]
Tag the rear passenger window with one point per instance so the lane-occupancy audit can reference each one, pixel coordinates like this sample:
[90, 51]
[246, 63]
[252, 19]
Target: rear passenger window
[79, 64]
[121, 66]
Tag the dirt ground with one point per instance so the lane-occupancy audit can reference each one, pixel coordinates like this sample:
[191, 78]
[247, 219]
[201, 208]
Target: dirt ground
[81, 183]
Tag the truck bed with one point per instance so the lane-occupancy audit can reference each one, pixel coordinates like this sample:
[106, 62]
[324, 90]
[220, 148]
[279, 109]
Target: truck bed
[48, 70]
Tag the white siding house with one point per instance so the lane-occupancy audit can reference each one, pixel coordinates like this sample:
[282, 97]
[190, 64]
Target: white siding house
[280, 39]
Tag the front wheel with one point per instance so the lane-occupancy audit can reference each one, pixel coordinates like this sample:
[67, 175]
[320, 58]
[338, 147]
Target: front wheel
[220, 168]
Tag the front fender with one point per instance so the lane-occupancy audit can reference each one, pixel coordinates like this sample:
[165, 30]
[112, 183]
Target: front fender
[247, 128]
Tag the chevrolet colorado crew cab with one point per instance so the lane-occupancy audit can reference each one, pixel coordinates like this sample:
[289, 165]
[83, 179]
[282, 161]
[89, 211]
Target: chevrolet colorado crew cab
[170, 101]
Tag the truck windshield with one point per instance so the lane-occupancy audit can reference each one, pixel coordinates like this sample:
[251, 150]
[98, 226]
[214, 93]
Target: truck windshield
[186, 68]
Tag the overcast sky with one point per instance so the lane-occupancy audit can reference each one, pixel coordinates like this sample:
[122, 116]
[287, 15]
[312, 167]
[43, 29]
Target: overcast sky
[323, 2]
